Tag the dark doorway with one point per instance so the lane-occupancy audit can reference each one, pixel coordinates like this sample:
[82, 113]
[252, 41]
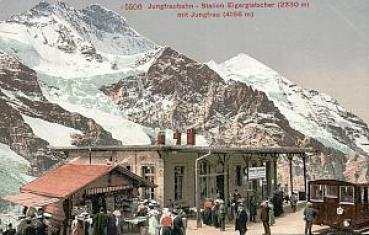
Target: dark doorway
[220, 185]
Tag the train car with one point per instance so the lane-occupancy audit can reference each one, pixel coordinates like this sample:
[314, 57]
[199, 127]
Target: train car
[339, 204]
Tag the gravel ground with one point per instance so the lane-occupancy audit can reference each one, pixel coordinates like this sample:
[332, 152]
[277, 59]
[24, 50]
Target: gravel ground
[289, 224]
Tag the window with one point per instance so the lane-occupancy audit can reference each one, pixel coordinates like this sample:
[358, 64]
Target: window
[363, 194]
[178, 182]
[346, 194]
[316, 192]
[148, 173]
[238, 176]
[331, 191]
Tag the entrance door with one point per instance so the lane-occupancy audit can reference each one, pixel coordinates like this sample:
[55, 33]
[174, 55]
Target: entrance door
[220, 185]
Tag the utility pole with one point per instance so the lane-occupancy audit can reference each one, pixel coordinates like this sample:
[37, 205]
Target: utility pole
[198, 217]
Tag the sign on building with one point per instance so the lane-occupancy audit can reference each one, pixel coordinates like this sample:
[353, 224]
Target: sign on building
[256, 172]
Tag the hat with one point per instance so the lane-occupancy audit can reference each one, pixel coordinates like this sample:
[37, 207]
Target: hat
[47, 215]
[117, 213]
[165, 210]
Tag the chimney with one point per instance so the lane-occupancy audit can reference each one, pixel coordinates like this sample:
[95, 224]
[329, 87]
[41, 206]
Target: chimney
[177, 136]
[191, 140]
[160, 138]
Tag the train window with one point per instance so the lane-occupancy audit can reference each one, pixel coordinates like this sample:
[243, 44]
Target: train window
[316, 192]
[346, 194]
[331, 191]
[363, 194]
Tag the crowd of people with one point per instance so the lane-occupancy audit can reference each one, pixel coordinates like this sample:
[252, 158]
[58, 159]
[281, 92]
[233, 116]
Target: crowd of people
[33, 222]
[171, 220]
[153, 220]
[243, 210]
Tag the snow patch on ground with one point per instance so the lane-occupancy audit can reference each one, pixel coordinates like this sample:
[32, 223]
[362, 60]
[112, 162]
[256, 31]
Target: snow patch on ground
[55, 134]
[13, 171]
[121, 128]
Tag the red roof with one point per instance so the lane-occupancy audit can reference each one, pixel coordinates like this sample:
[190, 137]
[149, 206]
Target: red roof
[30, 199]
[66, 180]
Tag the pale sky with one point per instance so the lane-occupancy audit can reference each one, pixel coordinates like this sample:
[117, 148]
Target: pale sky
[325, 47]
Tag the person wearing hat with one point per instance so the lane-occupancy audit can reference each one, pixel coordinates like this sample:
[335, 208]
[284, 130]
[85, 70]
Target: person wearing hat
[215, 214]
[309, 216]
[29, 229]
[207, 212]
[241, 220]
[153, 219]
[222, 215]
[264, 216]
[253, 208]
[166, 222]
[40, 225]
[177, 228]
[293, 202]
[100, 222]
[142, 209]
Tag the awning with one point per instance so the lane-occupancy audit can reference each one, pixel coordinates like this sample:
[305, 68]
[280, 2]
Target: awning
[30, 199]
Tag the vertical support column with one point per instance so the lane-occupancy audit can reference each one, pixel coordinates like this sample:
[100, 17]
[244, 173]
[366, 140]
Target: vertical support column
[269, 172]
[226, 181]
[275, 173]
[197, 194]
[290, 157]
[305, 178]
[226, 186]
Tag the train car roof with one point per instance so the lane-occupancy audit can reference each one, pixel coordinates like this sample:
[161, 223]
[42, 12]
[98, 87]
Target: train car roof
[337, 182]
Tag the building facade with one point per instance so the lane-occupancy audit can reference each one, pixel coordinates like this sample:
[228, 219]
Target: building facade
[220, 171]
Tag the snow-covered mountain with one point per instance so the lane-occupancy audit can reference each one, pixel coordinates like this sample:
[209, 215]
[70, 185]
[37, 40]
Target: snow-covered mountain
[88, 73]
[314, 114]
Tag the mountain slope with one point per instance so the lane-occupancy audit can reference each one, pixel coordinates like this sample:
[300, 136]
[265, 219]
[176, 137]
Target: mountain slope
[106, 30]
[178, 93]
[314, 114]
[23, 104]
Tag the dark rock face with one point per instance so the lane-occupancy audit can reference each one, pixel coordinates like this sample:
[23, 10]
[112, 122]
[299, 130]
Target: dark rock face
[20, 93]
[196, 96]
[178, 93]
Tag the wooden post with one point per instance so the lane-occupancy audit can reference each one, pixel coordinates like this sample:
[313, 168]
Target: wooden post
[290, 157]
[269, 178]
[275, 173]
[305, 179]
[226, 183]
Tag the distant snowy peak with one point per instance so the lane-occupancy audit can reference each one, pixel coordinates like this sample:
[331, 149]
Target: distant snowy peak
[106, 30]
[315, 114]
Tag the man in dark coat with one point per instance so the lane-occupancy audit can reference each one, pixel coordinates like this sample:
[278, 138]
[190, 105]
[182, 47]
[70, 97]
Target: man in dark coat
[29, 229]
[242, 220]
[100, 223]
[177, 228]
[253, 209]
[40, 226]
[112, 225]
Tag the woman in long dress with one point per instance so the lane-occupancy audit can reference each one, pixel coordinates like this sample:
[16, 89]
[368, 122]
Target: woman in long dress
[153, 221]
